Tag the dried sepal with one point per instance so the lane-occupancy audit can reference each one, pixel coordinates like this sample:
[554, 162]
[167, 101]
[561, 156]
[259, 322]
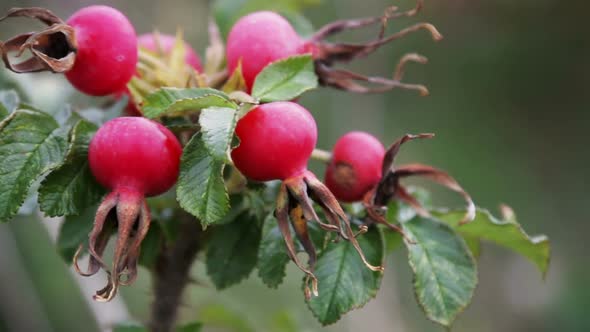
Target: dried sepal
[52, 49]
[389, 187]
[327, 53]
[294, 207]
[282, 215]
[128, 215]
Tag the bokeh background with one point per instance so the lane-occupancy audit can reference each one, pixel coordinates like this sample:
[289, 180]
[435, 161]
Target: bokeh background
[510, 105]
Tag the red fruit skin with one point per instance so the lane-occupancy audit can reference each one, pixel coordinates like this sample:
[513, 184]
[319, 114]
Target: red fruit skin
[166, 42]
[259, 39]
[355, 167]
[106, 53]
[276, 140]
[134, 153]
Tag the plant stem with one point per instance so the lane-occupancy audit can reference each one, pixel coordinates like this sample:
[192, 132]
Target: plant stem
[171, 274]
[321, 155]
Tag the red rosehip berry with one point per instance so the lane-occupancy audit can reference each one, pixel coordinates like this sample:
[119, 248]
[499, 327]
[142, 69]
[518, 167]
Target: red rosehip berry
[133, 157]
[151, 42]
[135, 153]
[276, 141]
[106, 53]
[355, 167]
[257, 40]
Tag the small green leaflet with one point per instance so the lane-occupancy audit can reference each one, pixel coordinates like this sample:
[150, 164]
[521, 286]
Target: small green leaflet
[31, 143]
[200, 189]
[71, 188]
[176, 101]
[285, 79]
[505, 233]
[445, 273]
[344, 282]
[232, 251]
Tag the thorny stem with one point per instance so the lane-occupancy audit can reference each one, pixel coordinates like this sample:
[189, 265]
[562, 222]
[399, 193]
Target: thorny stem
[171, 274]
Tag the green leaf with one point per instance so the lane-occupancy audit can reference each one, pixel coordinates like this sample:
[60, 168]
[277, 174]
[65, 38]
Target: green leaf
[272, 255]
[285, 79]
[73, 232]
[31, 143]
[232, 251]
[217, 127]
[344, 282]
[474, 245]
[176, 101]
[9, 101]
[71, 188]
[445, 274]
[200, 189]
[505, 233]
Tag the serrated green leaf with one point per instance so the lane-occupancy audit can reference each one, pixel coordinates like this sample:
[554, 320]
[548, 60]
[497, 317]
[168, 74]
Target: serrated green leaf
[217, 127]
[272, 256]
[445, 273]
[31, 143]
[9, 101]
[74, 231]
[286, 79]
[176, 101]
[505, 233]
[232, 251]
[200, 189]
[71, 188]
[344, 282]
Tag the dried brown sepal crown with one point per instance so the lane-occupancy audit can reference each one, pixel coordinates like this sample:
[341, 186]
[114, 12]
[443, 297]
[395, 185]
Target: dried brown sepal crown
[294, 207]
[390, 187]
[129, 217]
[327, 54]
[52, 49]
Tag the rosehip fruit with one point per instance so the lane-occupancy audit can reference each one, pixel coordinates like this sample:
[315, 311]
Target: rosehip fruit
[106, 53]
[133, 157]
[135, 153]
[276, 140]
[152, 41]
[355, 166]
[257, 40]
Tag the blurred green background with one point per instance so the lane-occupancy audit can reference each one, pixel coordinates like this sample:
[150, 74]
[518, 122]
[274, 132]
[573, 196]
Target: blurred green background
[510, 105]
